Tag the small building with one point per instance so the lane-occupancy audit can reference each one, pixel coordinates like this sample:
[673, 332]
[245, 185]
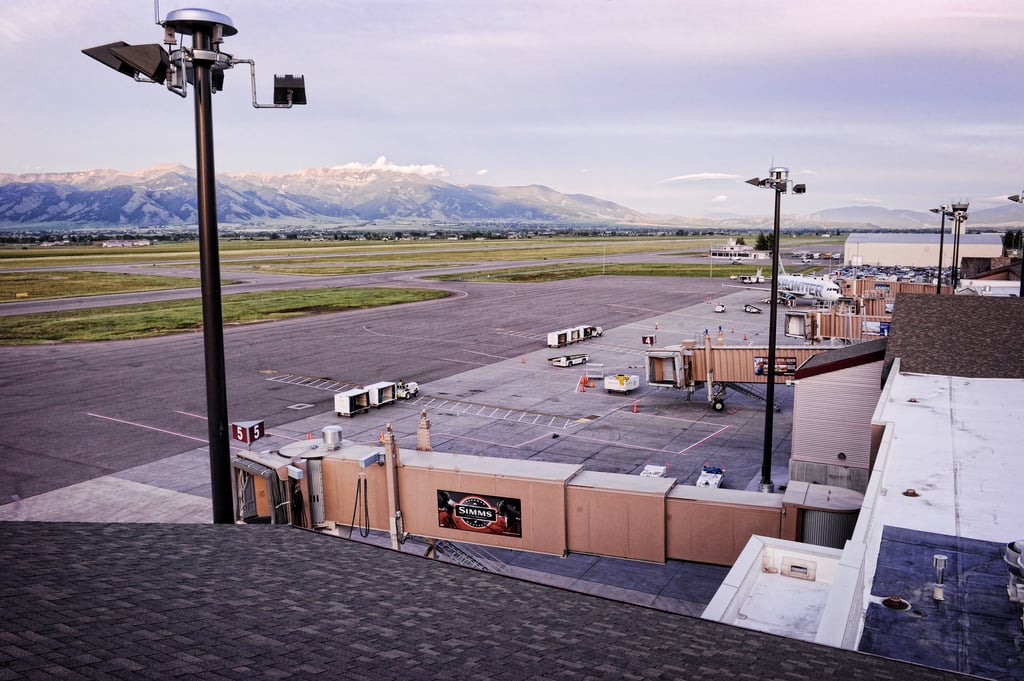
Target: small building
[734, 251]
[919, 249]
[834, 398]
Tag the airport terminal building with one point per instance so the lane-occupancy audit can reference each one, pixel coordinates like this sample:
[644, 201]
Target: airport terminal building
[916, 250]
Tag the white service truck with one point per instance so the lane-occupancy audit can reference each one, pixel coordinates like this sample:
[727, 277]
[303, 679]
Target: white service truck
[405, 390]
[568, 360]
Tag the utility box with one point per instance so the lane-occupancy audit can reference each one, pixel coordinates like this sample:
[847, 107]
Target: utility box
[382, 393]
[351, 402]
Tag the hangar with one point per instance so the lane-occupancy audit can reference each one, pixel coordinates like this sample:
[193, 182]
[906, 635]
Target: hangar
[917, 250]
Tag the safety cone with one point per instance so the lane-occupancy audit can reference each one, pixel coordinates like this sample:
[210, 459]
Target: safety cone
[309, 436]
[655, 326]
[634, 407]
[744, 336]
[523, 360]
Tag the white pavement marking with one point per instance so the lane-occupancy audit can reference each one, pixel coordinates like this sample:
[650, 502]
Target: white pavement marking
[142, 425]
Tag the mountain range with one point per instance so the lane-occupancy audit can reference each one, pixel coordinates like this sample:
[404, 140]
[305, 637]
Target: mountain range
[165, 196]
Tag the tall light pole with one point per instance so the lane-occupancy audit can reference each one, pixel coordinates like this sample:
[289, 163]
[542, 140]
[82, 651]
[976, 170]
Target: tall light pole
[944, 211]
[1019, 198]
[959, 211]
[778, 180]
[201, 66]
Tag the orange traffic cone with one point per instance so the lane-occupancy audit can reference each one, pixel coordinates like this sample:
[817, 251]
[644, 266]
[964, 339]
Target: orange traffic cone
[634, 407]
[655, 326]
[309, 436]
[744, 336]
[523, 360]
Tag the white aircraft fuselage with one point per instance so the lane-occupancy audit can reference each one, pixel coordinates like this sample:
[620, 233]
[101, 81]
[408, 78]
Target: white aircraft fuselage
[800, 286]
[817, 288]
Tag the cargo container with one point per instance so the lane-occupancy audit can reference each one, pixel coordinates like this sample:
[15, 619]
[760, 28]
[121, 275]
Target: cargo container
[575, 334]
[382, 393]
[351, 402]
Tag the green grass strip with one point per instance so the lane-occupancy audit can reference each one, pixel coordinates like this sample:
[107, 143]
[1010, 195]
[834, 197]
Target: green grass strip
[38, 285]
[159, 319]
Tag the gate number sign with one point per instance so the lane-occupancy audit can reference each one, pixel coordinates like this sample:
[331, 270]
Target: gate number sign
[247, 432]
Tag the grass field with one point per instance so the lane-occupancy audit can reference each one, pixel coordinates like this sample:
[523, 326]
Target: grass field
[74, 283]
[41, 276]
[157, 319]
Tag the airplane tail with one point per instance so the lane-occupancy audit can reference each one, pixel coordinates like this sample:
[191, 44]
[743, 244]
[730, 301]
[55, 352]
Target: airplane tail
[782, 268]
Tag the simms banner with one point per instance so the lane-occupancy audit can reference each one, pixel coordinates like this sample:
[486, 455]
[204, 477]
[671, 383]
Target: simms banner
[479, 513]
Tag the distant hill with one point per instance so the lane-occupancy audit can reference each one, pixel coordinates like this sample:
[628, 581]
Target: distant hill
[874, 217]
[165, 196]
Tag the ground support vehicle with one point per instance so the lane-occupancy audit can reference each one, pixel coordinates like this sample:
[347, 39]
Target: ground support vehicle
[621, 383]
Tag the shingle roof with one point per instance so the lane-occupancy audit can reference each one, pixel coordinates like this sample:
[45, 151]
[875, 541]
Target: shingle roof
[87, 600]
[968, 336]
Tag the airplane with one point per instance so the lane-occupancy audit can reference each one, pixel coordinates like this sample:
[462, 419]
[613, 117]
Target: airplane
[792, 286]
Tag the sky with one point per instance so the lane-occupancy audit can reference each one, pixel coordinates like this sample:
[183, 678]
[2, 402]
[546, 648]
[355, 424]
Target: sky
[664, 106]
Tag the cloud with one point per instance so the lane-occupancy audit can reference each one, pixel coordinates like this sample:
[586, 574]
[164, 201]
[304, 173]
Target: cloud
[482, 171]
[428, 170]
[700, 177]
[721, 198]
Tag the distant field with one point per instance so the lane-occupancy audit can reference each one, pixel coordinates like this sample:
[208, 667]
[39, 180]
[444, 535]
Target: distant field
[158, 319]
[573, 271]
[303, 258]
[290, 252]
[328, 268]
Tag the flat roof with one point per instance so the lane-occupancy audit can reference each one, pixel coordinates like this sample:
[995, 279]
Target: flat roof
[986, 238]
[956, 442]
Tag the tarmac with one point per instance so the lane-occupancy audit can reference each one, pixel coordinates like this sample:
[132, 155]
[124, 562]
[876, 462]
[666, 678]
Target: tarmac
[516, 408]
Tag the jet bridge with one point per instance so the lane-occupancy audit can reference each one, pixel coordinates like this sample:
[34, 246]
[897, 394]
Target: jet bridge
[719, 368]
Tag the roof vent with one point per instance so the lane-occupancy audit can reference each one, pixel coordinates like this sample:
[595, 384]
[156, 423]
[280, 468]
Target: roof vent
[332, 437]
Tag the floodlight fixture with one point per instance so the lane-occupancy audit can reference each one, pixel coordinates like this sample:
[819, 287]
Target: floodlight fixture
[134, 61]
[777, 179]
[201, 66]
[289, 90]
